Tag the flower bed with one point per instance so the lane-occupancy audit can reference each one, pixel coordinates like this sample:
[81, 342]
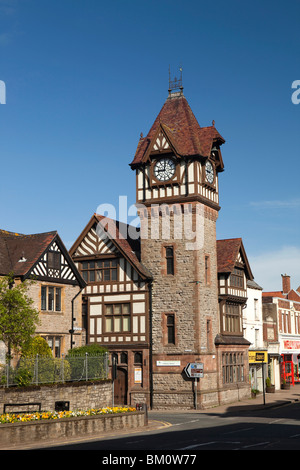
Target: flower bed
[49, 415]
[18, 431]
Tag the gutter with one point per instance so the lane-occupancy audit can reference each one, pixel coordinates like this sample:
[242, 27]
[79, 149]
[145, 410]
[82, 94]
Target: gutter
[71, 331]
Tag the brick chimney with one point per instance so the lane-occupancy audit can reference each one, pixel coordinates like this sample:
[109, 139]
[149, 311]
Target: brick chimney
[286, 283]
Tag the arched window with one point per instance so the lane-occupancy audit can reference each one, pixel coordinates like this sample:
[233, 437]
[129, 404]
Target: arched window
[123, 358]
[138, 358]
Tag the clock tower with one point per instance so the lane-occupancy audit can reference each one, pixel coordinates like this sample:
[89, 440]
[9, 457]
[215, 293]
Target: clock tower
[177, 167]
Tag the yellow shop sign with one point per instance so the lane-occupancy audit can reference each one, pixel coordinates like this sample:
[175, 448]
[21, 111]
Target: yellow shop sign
[258, 356]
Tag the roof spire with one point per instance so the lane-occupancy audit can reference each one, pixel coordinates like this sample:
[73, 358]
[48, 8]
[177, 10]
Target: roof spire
[175, 86]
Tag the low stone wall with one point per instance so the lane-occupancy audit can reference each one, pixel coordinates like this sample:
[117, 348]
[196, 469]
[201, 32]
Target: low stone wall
[35, 433]
[81, 395]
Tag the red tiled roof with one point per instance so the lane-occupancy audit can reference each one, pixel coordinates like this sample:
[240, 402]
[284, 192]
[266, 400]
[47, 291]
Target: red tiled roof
[227, 253]
[14, 246]
[291, 295]
[274, 294]
[180, 124]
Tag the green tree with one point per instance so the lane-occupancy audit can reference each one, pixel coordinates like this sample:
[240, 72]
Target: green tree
[18, 317]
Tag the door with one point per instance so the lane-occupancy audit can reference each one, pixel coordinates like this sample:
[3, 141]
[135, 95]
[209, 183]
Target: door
[120, 387]
[287, 372]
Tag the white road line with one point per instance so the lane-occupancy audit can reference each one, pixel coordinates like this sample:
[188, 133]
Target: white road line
[239, 430]
[254, 445]
[197, 445]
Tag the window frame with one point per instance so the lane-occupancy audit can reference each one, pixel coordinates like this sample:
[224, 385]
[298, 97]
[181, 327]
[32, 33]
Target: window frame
[233, 367]
[97, 270]
[170, 260]
[51, 298]
[52, 343]
[232, 319]
[236, 278]
[170, 329]
[111, 315]
[53, 260]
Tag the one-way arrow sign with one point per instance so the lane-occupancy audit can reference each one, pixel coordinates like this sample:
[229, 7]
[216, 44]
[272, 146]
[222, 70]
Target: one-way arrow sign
[194, 370]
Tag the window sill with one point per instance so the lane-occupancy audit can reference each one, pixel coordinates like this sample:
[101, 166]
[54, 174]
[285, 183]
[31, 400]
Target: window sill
[60, 312]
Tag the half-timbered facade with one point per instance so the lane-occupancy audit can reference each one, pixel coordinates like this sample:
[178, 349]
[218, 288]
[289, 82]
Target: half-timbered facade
[233, 273]
[116, 302]
[55, 287]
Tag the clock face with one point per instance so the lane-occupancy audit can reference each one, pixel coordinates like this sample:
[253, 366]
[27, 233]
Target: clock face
[164, 169]
[209, 172]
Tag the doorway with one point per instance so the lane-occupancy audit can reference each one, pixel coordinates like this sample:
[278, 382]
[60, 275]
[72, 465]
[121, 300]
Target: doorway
[121, 387]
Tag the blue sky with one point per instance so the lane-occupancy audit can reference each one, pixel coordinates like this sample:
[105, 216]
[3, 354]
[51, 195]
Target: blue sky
[85, 77]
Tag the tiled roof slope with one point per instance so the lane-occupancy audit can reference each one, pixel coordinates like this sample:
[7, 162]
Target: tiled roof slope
[14, 246]
[227, 254]
[130, 247]
[188, 138]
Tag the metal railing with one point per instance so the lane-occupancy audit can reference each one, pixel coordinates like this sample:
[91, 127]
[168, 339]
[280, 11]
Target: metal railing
[42, 370]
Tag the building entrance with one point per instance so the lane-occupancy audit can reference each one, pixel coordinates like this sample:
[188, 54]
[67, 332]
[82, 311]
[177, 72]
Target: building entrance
[120, 387]
[287, 370]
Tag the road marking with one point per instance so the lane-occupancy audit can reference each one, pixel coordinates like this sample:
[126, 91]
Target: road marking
[238, 430]
[197, 445]
[254, 445]
[275, 421]
[165, 424]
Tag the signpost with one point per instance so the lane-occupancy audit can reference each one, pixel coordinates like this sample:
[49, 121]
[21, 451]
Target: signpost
[259, 357]
[194, 370]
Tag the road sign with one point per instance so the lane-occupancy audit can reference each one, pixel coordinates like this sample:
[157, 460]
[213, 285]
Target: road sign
[194, 370]
[258, 356]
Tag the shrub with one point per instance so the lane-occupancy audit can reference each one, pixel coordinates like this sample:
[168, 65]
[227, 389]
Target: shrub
[23, 377]
[37, 345]
[87, 362]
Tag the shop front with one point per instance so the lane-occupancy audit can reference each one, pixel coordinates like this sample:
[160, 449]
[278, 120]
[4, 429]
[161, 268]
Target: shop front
[290, 361]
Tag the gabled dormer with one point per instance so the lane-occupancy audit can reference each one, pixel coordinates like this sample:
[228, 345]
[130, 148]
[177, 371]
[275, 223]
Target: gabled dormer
[40, 256]
[233, 268]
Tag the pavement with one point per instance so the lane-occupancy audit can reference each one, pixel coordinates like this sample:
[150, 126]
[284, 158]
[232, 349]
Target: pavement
[246, 405]
[261, 401]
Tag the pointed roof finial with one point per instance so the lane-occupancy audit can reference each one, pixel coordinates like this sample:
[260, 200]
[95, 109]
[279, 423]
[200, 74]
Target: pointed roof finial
[176, 84]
